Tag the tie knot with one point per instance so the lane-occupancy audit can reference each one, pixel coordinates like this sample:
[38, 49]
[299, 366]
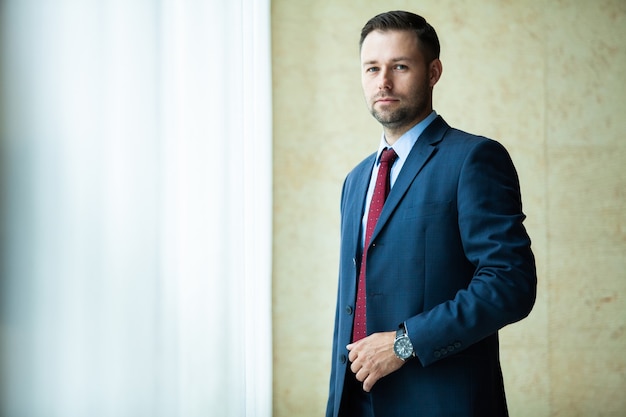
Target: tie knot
[388, 156]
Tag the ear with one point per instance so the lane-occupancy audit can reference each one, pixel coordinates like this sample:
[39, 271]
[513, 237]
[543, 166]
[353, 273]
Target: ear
[435, 68]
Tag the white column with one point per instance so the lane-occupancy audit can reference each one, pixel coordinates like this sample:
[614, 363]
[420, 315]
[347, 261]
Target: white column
[135, 172]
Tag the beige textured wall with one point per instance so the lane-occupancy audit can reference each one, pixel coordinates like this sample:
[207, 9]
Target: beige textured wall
[546, 78]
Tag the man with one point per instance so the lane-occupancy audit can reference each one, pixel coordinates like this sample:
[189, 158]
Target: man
[428, 276]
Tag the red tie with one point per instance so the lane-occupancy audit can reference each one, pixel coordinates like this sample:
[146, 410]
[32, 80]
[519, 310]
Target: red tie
[381, 190]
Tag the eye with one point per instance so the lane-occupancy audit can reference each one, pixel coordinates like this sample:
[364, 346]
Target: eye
[372, 69]
[401, 67]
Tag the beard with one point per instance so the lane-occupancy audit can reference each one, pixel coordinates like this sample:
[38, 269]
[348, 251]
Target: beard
[395, 118]
[413, 108]
[406, 115]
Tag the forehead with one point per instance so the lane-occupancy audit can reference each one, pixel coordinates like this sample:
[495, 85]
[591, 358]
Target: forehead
[390, 44]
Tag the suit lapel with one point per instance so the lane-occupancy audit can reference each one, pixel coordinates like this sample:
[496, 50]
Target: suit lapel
[422, 152]
[358, 201]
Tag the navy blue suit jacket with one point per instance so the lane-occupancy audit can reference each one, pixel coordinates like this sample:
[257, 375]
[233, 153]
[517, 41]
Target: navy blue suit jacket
[451, 258]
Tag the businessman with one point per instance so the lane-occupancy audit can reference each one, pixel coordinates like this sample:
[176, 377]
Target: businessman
[434, 257]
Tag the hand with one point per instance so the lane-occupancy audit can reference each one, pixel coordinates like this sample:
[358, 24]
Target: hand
[373, 358]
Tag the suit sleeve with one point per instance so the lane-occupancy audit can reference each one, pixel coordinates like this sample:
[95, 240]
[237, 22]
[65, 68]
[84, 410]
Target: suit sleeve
[502, 289]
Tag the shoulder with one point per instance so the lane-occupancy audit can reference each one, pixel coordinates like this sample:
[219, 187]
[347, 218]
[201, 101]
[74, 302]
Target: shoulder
[458, 137]
[365, 166]
[468, 146]
[440, 134]
[358, 177]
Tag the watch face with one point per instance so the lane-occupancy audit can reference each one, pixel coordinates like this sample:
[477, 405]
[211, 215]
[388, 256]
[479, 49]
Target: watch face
[403, 347]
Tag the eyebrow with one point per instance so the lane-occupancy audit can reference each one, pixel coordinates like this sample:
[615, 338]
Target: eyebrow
[401, 58]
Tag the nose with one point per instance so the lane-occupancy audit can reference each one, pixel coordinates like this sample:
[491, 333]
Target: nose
[384, 82]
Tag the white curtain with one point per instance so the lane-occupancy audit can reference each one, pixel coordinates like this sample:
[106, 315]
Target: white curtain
[135, 208]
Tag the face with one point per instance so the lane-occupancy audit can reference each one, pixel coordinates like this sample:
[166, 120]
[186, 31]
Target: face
[396, 80]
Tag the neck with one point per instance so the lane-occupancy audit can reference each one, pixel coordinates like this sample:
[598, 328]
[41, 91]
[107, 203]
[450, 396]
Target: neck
[394, 132]
[392, 135]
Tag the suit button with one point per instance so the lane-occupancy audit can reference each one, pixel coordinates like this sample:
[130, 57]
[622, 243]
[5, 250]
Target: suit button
[349, 310]
[450, 348]
[343, 358]
[444, 351]
[436, 354]
[457, 345]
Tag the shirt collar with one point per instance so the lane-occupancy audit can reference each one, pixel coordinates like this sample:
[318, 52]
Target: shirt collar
[405, 143]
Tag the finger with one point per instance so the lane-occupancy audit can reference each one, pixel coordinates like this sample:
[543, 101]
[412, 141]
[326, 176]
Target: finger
[369, 382]
[354, 367]
[361, 375]
[353, 355]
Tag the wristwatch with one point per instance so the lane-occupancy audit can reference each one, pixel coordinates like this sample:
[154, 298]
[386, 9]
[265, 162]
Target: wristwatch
[402, 346]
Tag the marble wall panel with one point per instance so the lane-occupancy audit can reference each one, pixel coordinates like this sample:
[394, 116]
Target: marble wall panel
[548, 80]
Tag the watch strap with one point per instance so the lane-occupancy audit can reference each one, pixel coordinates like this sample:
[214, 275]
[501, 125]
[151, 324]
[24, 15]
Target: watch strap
[400, 332]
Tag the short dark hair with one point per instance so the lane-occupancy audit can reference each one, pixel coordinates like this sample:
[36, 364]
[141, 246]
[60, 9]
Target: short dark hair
[401, 20]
